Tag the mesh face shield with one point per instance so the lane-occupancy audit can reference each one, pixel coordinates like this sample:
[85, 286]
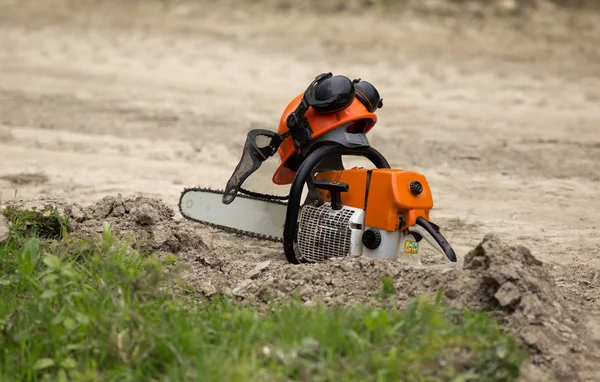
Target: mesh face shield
[260, 145]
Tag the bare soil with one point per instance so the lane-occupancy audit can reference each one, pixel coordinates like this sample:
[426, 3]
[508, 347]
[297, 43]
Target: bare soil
[500, 113]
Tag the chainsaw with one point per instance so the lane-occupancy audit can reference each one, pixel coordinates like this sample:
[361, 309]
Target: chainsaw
[330, 211]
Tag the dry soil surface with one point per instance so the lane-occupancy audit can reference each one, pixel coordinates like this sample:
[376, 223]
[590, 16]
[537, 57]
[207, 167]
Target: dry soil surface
[502, 116]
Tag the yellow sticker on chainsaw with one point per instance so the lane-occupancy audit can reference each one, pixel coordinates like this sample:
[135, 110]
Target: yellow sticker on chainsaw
[411, 247]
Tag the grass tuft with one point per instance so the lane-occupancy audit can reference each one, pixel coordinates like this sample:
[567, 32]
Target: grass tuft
[47, 223]
[387, 287]
[95, 309]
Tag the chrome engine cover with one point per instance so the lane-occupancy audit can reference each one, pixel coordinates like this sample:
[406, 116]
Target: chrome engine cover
[324, 233]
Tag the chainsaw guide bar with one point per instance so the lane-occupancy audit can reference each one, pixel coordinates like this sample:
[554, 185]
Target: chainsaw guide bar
[270, 199]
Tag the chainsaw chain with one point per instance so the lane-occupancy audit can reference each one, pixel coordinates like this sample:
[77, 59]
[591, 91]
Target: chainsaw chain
[268, 198]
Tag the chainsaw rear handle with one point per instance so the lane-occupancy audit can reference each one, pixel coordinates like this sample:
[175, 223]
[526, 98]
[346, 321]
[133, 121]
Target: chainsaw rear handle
[304, 171]
[431, 233]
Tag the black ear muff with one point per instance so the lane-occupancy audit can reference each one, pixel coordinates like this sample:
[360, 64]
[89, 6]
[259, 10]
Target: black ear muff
[368, 95]
[332, 94]
[326, 94]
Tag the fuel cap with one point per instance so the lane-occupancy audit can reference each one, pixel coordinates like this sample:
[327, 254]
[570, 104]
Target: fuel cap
[416, 188]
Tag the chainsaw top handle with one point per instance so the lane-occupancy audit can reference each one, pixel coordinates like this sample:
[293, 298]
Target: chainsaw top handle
[304, 171]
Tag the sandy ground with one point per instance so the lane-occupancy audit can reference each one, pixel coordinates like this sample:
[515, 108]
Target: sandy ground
[504, 120]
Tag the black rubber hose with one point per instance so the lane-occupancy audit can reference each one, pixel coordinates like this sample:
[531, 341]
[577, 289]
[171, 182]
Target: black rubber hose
[304, 171]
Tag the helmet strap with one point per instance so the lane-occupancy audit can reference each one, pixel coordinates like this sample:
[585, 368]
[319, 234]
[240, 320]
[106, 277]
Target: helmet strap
[298, 126]
[297, 123]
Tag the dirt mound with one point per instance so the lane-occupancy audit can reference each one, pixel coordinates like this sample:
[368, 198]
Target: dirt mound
[148, 223]
[512, 282]
[506, 280]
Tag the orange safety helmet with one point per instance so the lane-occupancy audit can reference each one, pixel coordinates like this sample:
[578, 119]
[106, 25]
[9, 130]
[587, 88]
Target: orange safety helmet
[332, 109]
[359, 114]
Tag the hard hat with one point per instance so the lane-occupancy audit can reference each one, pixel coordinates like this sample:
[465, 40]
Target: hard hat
[330, 103]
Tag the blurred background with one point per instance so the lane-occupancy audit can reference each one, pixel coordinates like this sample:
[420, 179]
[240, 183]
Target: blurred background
[496, 102]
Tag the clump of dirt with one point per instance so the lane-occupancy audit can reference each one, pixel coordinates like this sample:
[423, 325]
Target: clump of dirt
[147, 223]
[512, 282]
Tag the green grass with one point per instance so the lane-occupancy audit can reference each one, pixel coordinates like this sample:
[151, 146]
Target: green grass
[75, 309]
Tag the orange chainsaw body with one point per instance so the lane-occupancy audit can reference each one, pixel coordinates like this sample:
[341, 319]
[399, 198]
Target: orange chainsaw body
[384, 194]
